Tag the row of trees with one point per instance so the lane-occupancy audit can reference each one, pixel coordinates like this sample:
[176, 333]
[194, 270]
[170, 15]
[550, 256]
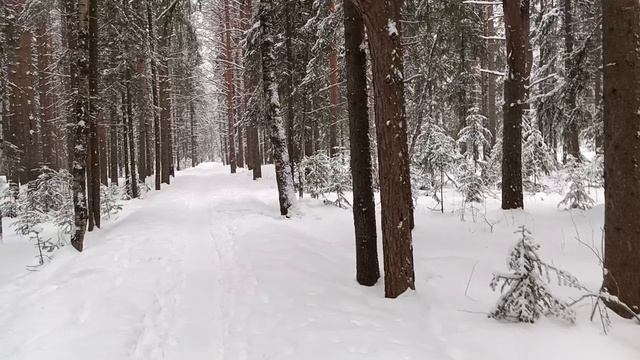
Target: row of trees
[425, 65]
[108, 89]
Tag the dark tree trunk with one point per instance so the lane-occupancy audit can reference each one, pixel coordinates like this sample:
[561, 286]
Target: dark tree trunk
[516, 17]
[333, 93]
[364, 211]
[141, 114]
[154, 91]
[47, 99]
[491, 77]
[228, 76]
[571, 132]
[83, 118]
[621, 59]
[192, 129]
[383, 23]
[102, 143]
[284, 179]
[129, 134]
[93, 181]
[113, 152]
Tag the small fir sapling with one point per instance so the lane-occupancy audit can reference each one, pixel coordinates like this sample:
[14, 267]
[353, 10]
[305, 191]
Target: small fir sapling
[324, 175]
[525, 289]
[474, 137]
[492, 169]
[340, 179]
[437, 156]
[8, 203]
[317, 169]
[537, 158]
[46, 200]
[110, 197]
[577, 197]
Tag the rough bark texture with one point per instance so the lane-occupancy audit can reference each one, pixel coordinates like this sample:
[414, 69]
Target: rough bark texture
[621, 58]
[571, 131]
[333, 92]
[130, 139]
[47, 98]
[83, 118]
[142, 116]
[492, 116]
[253, 139]
[113, 142]
[228, 79]
[382, 19]
[154, 92]
[364, 211]
[516, 17]
[284, 178]
[93, 180]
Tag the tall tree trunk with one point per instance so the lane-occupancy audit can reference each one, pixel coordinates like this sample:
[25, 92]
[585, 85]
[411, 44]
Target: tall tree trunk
[83, 118]
[124, 125]
[516, 17]
[383, 23]
[364, 211]
[47, 98]
[491, 77]
[284, 178]
[571, 131]
[228, 78]
[113, 152]
[129, 133]
[93, 181]
[621, 59]
[142, 114]
[253, 139]
[333, 92]
[102, 144]
[156, 101]
[192, 129]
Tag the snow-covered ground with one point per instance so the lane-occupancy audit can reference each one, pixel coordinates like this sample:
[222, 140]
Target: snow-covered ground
[206, 269]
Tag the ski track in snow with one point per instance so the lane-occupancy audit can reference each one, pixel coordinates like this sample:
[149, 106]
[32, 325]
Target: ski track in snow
[205, 269]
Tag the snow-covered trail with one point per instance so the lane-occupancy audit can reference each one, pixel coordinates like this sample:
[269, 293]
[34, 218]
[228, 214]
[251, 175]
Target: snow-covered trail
[206, 269]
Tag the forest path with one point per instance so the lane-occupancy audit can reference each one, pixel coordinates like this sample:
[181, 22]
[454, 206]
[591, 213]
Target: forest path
[157, 282]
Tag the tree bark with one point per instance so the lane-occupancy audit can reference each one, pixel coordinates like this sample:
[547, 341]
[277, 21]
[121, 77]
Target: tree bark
[284, 179]
[156, 110]
[333, 92]
[93, 181]
[571, 131]
[621, 59]
[83, 118]
[491, 77]
[228, 76]
[47, 98]
[516, 17]
[383, 22]
[364, 211]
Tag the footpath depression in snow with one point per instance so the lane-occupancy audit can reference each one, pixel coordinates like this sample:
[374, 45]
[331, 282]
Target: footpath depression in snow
[206, 269]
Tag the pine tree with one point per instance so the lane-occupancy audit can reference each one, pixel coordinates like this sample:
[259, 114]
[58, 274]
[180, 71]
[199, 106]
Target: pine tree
[577, 197]
[537, 158]
[525, 290]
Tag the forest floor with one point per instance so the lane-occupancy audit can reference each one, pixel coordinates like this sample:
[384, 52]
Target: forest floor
[206, 269]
